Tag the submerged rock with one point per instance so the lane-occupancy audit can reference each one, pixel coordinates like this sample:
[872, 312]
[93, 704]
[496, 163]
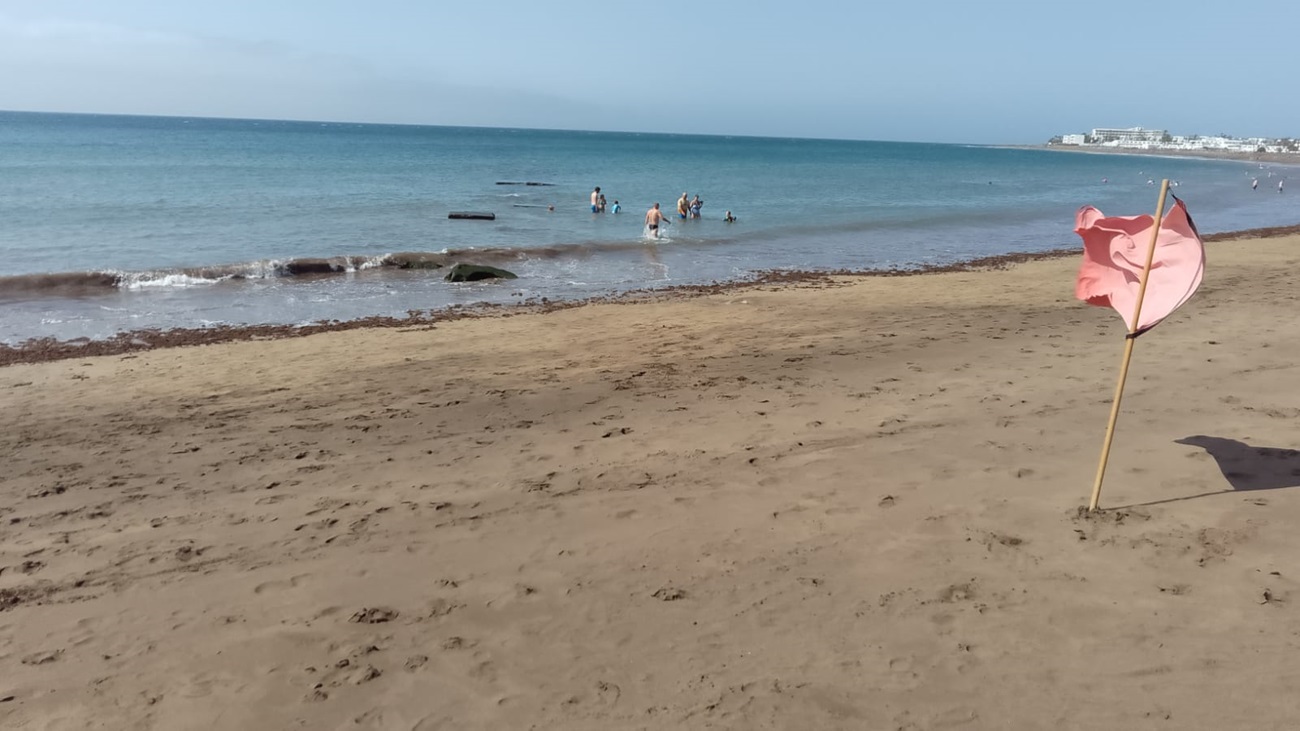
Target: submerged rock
[475, 272]
[314, 266]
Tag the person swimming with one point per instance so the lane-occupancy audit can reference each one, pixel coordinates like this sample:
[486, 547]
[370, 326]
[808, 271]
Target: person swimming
[730, 218]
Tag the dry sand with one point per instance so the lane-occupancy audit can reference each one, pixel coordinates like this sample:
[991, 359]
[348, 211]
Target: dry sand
[798, 507]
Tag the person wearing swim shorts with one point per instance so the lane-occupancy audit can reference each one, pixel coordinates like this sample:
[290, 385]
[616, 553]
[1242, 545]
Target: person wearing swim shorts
[683, 206]
[595, 200]
[653, 219]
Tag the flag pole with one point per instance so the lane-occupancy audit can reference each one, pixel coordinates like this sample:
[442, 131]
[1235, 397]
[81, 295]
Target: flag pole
[1128, 349]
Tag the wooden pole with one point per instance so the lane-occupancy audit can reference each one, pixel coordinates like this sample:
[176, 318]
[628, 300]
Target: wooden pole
[1128, 350]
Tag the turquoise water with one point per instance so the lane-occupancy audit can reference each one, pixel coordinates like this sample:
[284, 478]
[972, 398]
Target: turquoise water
[194, 220]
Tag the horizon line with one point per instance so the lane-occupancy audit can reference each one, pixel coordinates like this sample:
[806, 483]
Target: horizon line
[526, 129]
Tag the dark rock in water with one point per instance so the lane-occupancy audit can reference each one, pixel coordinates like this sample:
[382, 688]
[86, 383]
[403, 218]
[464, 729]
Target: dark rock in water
[472, 215]
[416, 260]
[313, 266]
[475, 272]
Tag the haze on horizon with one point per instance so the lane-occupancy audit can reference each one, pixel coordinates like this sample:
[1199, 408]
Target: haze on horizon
[992, 72]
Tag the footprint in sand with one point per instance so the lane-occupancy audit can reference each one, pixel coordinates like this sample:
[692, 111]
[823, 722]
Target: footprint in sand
[373, 615]
[43, 657]
[291, 583]
[1003, 539]
[415, 662]
[958, 593]
[436, 723]
[441, 607]
[458, 643]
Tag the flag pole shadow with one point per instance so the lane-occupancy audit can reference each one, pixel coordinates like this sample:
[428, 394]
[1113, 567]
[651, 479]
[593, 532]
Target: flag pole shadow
[1245, 467]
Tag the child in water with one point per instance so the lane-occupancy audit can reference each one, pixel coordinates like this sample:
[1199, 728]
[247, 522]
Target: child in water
[615, 208]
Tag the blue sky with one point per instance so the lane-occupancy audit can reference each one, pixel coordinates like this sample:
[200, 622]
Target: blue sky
[980, 72]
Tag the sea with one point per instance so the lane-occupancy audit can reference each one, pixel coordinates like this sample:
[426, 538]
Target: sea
[113, 224]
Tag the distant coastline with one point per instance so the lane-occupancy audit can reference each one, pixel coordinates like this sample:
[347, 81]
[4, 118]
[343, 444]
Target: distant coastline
[1284, 158]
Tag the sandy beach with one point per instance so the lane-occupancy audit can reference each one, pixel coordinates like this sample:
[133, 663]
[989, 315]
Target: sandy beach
[838, 504]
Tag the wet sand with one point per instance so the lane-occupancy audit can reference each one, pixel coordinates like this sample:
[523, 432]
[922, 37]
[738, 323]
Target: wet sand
[842, 502]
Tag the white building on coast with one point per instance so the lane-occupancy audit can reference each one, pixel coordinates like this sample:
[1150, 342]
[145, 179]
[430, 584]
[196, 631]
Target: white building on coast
[1139, 138]
[1129, 136]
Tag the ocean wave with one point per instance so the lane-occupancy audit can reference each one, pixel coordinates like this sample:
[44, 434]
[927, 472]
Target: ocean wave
[137, 281]
[60, 283]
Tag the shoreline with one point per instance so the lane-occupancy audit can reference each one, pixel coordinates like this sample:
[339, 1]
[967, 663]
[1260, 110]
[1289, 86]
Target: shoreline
[40, 350]
[1280, 158]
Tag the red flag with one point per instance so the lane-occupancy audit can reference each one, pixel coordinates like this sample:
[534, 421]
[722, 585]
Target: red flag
[1115, 251]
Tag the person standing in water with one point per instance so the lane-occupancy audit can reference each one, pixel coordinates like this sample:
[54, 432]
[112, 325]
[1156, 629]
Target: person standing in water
[683, 206]
[595, 199]
[654, 218]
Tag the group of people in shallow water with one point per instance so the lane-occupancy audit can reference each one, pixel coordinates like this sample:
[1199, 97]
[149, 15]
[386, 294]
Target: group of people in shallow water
[598, 202]
[1254, 184]
[687, 208]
